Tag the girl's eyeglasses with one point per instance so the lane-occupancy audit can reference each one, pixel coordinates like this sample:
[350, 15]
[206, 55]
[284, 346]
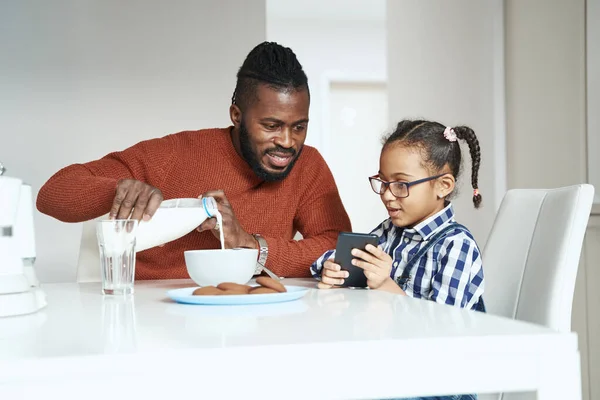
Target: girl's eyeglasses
[398, 189]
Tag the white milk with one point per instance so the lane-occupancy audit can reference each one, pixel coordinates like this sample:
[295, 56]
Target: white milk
[219, 218]
[174, 219]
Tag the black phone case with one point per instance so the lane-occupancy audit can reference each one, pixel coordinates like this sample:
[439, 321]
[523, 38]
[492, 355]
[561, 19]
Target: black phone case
[343, 256]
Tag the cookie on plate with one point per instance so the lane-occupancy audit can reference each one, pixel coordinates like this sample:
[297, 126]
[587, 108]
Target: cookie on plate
[271, 284]
[207, 291]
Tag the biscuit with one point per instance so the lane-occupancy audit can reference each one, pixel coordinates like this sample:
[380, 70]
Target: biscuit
[234, 292]
[207, 291]
[271, 284]
[262, 290]
[234, 287]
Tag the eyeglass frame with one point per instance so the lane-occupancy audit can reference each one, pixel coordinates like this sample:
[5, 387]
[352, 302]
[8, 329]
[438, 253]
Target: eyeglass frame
[387, 184]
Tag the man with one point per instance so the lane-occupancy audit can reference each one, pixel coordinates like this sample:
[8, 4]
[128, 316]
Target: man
[267, 183]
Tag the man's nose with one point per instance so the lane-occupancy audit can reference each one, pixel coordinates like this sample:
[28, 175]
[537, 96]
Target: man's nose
[285, 138]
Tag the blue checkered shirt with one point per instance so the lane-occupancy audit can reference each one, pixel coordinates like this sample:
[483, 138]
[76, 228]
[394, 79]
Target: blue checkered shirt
[449, 272]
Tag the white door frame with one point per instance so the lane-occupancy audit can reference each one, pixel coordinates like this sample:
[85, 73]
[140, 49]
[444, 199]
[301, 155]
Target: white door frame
[500, 167]
[593, 98]
[327, 79]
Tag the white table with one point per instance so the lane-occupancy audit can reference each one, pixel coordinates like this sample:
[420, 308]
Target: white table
[331, 344]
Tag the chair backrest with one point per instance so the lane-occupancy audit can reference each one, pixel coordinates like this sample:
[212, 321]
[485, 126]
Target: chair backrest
[88, 264]
[532, 254]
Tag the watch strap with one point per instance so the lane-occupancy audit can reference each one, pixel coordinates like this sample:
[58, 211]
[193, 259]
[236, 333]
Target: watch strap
[263, 252]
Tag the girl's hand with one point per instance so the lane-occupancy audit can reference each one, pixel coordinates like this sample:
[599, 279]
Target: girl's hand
[376, 263]
[331, 275]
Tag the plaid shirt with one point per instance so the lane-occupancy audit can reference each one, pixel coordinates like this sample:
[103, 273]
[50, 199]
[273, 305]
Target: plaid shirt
[449, 272]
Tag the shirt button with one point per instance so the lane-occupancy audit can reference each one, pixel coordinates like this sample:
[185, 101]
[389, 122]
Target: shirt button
[406, 240]
[396, 264]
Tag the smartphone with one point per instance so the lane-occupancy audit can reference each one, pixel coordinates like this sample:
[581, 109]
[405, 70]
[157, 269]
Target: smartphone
[343, 256]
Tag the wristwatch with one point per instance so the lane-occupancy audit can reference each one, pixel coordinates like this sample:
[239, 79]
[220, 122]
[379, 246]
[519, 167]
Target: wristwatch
[263, 252]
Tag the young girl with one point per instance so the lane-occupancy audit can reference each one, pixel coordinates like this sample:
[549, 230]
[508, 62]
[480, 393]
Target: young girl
[422, 251]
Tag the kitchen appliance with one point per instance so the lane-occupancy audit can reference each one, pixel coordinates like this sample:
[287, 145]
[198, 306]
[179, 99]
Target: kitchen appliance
[19, 287]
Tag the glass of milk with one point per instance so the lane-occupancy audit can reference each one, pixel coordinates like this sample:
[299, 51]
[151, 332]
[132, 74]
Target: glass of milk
[116, 242]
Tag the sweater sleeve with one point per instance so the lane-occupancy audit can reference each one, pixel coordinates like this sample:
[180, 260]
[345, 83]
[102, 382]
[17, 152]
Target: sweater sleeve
[81, 192]
[319, 218]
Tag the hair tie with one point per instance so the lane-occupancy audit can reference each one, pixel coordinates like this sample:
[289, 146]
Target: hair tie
[450, 134]
[475, 192]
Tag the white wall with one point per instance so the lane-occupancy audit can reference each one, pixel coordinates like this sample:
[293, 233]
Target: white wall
[545, 93]
[546, 135]
[445, 64]
[330, 44]
[339, 42]
[79, 79]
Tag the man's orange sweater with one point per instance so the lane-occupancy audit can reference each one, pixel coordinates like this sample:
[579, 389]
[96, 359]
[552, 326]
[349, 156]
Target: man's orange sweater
[187, 164]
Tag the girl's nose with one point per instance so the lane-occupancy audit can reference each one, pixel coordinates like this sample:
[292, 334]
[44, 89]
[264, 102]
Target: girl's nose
[387, 195]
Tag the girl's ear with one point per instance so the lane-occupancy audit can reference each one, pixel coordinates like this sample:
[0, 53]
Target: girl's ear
[445, 185]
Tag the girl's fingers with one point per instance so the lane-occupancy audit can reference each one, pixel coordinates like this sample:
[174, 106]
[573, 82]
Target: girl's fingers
[377, 252]
[331, 266]
[331, 281]
[335, 274]
[366, 266]
[363, 255]
[322, 285]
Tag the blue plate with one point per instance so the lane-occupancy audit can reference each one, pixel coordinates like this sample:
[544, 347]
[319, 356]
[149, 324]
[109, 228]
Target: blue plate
[185, 296]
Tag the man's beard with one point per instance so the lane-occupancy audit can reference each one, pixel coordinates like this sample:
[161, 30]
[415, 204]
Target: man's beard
[254, 162]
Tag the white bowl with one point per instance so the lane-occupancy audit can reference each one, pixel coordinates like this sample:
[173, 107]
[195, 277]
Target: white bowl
[211, 267]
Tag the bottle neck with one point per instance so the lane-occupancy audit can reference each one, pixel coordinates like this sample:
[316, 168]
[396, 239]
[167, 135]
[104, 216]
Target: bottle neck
[210, 206]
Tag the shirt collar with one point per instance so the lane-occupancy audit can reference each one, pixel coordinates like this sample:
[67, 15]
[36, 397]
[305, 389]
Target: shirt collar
[428, 227]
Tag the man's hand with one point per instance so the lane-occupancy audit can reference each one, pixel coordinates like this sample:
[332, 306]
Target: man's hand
[135, 196]
[235, 235]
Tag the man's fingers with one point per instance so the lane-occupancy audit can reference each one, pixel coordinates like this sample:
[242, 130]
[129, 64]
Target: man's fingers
[156, 198]
[140, 204]
[208, 224]
[122, 189]
[136, 200]
[219, 197]
[227, 216]
[129, 202]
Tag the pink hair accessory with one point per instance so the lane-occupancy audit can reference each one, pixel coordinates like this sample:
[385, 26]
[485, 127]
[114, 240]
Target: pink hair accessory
[450, 134]
[475, 192]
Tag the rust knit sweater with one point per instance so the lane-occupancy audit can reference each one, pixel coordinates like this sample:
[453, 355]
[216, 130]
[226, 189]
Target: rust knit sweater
[187, 164]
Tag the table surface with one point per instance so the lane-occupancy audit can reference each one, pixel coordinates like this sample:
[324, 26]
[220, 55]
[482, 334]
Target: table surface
[79, 323]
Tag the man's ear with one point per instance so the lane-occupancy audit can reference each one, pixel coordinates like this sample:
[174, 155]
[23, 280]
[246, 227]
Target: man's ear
[236, 115]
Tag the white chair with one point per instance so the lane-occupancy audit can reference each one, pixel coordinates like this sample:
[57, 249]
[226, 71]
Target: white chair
[532, 255]
[88, 263]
